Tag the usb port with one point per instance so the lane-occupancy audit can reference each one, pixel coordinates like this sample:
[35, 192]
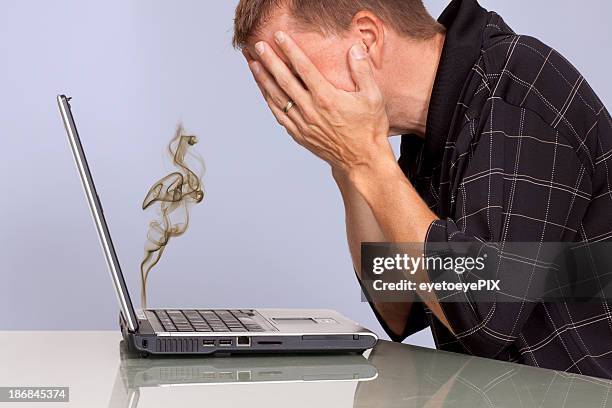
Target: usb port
[225, 342]
[208, 343]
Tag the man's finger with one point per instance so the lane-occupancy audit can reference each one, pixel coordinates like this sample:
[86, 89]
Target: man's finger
[287, 122]
[273, 95]
[268, 85]
[307, 71]
[283, 119]
[282, 74]
[361, 70]
[294, 124]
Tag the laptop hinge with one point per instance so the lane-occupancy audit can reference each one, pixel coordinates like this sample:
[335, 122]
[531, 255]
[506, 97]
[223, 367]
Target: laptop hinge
[124, 326]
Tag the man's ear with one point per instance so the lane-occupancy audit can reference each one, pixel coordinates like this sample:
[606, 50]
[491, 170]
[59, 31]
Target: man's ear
[371, 30]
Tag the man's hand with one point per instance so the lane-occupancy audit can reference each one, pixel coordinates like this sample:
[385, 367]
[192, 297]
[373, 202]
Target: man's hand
[348, 130]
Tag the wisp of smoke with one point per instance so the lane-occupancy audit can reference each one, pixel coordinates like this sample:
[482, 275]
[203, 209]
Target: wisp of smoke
[175, 194]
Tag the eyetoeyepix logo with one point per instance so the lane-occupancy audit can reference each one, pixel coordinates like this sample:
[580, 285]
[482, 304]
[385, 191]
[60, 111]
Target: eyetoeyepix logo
[411, 264]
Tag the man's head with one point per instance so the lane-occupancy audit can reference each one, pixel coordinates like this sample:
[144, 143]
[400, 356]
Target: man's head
[326, 30]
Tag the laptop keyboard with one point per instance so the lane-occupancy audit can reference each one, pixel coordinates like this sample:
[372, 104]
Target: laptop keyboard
[208, 320]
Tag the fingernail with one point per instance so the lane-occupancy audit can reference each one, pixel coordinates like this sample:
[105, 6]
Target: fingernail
[260, 47]
[358, 51]
[254, 67]
[279, 36]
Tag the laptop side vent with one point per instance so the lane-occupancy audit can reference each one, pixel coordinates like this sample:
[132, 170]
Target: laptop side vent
[177, 345]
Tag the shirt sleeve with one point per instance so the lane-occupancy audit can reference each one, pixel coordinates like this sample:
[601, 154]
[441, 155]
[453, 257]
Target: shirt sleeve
[417, 319]
[522, 186]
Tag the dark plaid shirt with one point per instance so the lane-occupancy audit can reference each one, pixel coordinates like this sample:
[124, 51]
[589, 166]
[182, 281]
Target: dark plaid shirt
[518, 149]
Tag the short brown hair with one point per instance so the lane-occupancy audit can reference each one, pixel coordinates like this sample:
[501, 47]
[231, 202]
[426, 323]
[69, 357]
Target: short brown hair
[408, 17]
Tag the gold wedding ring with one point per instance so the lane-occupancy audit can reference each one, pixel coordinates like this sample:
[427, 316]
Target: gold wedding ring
[288, 106]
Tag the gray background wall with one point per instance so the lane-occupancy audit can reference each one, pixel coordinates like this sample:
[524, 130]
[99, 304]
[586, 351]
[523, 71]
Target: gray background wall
[271, 230]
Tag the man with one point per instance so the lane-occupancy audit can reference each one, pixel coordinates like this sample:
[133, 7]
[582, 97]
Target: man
[503, 142]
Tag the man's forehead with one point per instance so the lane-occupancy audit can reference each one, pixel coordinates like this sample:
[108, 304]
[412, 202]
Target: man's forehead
[280, 20]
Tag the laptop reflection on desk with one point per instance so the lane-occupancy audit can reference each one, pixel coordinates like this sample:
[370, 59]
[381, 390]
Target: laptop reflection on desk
[137, 373]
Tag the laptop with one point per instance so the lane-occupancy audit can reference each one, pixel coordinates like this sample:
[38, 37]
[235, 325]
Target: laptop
[212, 331]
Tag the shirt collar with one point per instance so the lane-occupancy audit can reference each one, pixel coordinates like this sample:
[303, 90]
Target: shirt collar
[464, 21]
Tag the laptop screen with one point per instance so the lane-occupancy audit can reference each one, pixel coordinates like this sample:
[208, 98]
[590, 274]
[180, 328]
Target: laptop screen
[123, 296]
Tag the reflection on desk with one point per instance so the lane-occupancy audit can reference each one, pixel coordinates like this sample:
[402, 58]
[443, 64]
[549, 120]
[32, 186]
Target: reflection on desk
[418, 377]
[393, 375]
[136, 373]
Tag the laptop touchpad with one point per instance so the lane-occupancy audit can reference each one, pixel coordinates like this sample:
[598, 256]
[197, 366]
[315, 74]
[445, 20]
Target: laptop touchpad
[294, 320]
